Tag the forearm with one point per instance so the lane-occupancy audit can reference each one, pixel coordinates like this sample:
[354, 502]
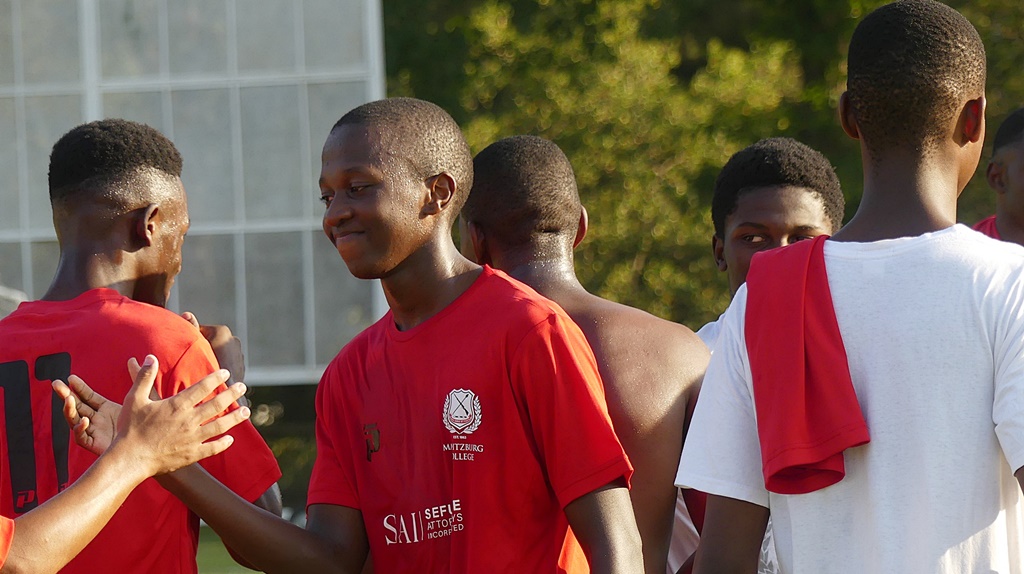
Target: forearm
[49, 536]
[267, 542]
[604, 526]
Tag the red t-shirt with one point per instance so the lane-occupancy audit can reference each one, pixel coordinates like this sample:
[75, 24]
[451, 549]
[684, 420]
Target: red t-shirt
[462, 439]
[6, 536]
[93, 336]
[988, 227]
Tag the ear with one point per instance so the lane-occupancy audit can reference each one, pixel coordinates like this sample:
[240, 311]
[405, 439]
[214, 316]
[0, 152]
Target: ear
[847, 118]
[146, 223]
[971, 126]
[441, 188]
[481, 251]
[581, 231]
[718, 250]
[996, 176]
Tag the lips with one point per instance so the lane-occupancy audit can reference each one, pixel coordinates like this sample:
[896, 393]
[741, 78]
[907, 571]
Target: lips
[343, 237]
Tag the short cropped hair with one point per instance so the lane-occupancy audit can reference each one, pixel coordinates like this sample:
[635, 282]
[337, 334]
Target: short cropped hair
[776, 162]
[911, 65]
[425, 135]
[524, 188]
[94, 157]
[1010, 132]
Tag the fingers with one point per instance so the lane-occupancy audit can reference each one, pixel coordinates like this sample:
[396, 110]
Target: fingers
[220, 402]
[81, 431]
[221, 425]
[215, 447]
[86, 395]
[70, 409]
[191, 318]
[145, 378]
[195, 394]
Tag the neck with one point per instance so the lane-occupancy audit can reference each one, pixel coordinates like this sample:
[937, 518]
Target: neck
[554, 278]
[85, 268]
[426, 282]
[904, 195]
[1009, 225]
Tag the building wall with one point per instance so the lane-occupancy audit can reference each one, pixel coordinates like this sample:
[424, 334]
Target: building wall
[247, 90]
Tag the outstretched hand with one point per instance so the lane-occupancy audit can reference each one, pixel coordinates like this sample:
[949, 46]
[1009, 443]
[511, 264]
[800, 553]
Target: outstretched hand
[163, 435]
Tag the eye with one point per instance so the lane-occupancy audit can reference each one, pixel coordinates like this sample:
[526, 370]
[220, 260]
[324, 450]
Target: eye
[754, 239]
[326, 200]
[355, 189]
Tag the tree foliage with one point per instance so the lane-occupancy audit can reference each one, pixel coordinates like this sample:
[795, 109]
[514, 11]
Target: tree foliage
[649, 98]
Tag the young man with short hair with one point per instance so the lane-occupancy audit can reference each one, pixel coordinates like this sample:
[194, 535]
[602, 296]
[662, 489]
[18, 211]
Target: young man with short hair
[120, 213]
[906, 329]
[524, 217]
[1005, 174]
[770, 194]
[465, 430]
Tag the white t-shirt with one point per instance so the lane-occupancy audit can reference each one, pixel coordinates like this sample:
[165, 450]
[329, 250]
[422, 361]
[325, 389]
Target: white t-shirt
[934, 333]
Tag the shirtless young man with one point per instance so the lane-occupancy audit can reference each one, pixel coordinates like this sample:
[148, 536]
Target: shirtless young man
[463, 432]
[931, 320]
[524, 217]
[1005, 174]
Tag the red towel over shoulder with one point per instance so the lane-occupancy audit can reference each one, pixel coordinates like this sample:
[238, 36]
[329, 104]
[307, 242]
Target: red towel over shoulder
[807, 410]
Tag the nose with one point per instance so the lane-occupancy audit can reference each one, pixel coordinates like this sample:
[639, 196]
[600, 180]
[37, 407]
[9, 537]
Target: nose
[337, 212]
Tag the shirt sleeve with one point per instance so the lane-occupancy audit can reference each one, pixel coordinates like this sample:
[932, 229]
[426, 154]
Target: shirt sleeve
[248, 468]
[721, 454]
[6, 537]
[333, 478]
[1008, 396]
[554, 372]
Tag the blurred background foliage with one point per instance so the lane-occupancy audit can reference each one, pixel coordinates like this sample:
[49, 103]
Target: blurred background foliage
[649, 98]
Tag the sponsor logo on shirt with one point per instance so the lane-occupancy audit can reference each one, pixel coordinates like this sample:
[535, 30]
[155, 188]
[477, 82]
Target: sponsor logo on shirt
[372, 434]
[427, 524]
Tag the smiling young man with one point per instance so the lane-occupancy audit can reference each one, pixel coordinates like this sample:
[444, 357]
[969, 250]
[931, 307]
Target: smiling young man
[1005, 175]
[120, 214]
[904, 328]
[465, 430]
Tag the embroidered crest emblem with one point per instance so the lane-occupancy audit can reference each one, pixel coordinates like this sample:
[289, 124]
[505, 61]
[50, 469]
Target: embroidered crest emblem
[462, 413]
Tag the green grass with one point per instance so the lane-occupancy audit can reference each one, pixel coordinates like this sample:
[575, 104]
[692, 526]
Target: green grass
[213, 558]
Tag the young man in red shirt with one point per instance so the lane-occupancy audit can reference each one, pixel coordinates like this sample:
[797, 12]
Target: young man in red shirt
[524, 217]
[1005, 174]
[121, 216]
[464, 431]
[153, 437]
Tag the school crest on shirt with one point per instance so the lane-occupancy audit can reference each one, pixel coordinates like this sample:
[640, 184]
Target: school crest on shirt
[462, 413]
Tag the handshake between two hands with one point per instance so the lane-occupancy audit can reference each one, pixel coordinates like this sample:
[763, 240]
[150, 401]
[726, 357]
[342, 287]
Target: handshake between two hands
[161, 435]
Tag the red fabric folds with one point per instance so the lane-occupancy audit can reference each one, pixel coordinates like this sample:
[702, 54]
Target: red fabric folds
[988, 227]
[807, 410]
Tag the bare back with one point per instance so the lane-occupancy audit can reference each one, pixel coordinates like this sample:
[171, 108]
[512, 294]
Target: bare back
[652, 370]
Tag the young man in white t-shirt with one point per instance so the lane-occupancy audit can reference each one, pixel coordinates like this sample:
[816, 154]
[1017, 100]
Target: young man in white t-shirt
[770, 194]
[931, 316]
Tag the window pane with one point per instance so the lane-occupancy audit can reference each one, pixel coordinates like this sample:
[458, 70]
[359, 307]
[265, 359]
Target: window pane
[271, 152]
[202, 133]
[129, 38]
[327, 103]
[206, 285]
[9, 197]
[6, 44]
[274, 297]
[144, 107]
[49, 41]
[47, 118]
[10, 266]
[266, 35]
[198, 31]
[45, 255]
[334, 34]
[343, 305]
